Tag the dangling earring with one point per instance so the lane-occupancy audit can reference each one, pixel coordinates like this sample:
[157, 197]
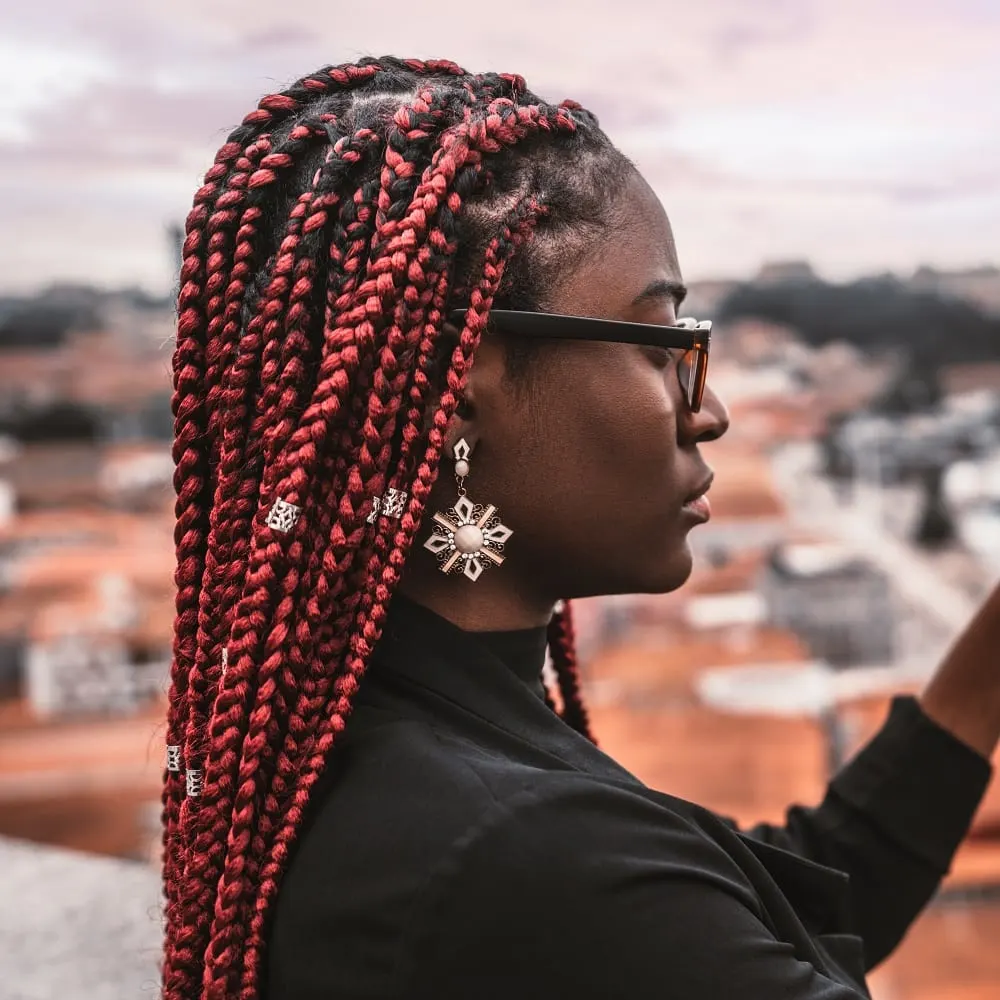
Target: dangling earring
[469, 535]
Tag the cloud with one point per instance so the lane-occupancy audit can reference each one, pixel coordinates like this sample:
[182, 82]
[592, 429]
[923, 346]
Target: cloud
[780, 122]
[777, 23]
[288, 36]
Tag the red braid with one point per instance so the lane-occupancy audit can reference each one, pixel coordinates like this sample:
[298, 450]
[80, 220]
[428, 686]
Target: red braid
[191, 482]
[217, 225]
[562, 647]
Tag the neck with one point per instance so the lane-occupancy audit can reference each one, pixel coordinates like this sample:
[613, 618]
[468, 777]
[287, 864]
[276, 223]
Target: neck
[491, 604]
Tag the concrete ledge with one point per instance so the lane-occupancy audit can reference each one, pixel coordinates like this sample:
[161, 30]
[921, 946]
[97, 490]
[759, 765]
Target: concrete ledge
[76, 926]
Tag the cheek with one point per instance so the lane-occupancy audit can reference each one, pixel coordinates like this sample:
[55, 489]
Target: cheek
[629, 431]
[600, 466]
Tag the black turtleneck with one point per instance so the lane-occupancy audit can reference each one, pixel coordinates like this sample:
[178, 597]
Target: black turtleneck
[522, 651]
[464, 842]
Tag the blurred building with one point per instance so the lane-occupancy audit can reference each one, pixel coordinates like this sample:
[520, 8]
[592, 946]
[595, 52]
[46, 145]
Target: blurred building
[86, 591]
[838, 604]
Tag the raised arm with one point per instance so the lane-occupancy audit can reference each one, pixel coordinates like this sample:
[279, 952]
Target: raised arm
[895, 815]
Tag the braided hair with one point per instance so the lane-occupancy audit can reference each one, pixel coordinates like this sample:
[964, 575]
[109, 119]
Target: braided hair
[337, 226]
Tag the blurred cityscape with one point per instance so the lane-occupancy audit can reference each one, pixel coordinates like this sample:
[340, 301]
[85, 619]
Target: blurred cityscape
[856, 525]
[857, 503]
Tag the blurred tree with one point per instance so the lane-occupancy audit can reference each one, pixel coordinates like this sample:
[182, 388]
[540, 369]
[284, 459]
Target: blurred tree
[914, 389]
[60, 421]
[837, 463]
[44, 325]
[877, 314]
[155, 418]
[935, 526]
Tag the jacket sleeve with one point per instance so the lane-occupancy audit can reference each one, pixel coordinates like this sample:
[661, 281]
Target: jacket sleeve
[592, 896]
[892, 819]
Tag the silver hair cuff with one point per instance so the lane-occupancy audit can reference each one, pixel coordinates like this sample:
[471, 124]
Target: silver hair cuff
[194, 782]
[393, 504]
[283, 515]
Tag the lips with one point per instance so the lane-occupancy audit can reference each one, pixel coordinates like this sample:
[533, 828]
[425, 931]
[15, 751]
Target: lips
[697, 503]
[700, 491]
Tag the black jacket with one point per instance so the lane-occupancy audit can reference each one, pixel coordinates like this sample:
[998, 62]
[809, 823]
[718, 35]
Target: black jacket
[465, 844]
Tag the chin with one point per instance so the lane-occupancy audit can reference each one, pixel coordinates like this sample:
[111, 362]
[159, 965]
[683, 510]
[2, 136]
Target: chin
[659, 573]
[671, 572]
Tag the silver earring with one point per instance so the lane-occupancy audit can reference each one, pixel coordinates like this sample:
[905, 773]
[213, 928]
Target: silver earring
[469, 536]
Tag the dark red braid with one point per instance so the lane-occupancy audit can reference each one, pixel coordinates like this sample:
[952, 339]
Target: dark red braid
[339, 224]
[218, 228]
[562, 647]
[191, 478]
[191, 482]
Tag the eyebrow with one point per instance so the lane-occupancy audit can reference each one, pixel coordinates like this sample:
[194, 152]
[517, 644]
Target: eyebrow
[662, 289]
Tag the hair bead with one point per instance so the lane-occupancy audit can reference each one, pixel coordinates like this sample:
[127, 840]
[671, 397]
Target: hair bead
[194, 782]
[283, 516]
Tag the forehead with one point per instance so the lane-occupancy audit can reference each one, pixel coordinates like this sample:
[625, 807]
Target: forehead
[635, 252]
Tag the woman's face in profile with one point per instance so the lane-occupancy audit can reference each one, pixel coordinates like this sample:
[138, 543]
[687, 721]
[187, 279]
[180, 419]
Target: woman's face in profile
[593, 462]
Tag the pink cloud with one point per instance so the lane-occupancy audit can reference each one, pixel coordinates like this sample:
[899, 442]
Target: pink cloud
[176, 77]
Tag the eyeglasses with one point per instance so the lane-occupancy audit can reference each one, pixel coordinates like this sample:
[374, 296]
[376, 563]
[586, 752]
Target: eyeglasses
[689, 336]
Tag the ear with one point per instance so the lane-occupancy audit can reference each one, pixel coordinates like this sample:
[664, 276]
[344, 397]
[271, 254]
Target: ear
[481, 384]
[464, 424]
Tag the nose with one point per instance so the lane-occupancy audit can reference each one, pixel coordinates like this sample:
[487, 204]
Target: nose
[708, 424]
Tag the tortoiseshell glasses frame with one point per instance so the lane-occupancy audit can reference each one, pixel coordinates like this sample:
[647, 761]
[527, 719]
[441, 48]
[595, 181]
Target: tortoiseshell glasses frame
[688, 335]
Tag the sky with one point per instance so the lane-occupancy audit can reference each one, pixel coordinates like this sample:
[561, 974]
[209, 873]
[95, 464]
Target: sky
[863, 135]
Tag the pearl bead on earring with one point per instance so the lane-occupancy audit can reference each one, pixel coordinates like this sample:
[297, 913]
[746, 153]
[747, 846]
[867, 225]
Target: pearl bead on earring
[462, 453]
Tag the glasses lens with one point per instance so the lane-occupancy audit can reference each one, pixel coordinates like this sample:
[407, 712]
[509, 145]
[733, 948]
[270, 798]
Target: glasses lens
[686, 367]
[692, 369]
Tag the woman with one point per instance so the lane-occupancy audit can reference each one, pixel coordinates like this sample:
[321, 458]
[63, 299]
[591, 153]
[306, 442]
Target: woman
[397, 458]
